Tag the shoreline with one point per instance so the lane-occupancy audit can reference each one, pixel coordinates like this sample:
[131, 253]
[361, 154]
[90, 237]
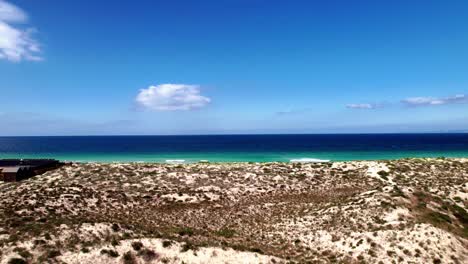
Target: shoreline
[238, 158]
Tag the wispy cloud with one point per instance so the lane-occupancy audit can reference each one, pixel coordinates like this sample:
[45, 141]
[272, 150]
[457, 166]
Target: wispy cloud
[171, 97]
[361, 106]
[428, 101]
[38, 124]
[293, 111]
[16, 43]
[416, 101]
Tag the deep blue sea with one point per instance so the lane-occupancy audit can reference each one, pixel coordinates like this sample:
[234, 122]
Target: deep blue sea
[230, 148]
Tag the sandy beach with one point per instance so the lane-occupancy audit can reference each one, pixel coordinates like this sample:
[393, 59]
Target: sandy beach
[399, 211]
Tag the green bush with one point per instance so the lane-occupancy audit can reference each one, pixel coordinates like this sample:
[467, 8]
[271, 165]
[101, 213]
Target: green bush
[137, 245]
[186, 231]
[225, 232]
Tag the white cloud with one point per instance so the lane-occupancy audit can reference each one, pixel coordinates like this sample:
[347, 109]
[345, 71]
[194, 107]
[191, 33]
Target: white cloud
[361, 106]
[427, 101]
[171, 97]
[16, 44]
[11, 13]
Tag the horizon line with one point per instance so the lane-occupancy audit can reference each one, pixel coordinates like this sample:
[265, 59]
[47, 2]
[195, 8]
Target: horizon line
[238, 134]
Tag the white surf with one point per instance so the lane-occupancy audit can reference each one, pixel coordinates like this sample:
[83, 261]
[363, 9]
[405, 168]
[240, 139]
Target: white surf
[175, 161]
[306, 160]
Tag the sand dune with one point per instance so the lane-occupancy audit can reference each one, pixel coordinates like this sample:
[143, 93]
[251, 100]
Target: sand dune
[404, 211]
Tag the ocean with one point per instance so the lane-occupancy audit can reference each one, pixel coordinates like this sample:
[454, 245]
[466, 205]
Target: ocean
[236, 148]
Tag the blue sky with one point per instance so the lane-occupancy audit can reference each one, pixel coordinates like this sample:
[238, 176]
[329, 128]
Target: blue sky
[213, 67]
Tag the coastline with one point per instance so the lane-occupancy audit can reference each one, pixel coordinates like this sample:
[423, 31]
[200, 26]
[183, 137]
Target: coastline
[391, 210]
[223, 157]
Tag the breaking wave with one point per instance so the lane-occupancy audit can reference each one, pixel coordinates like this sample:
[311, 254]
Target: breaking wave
[175, 161]
[304, 160]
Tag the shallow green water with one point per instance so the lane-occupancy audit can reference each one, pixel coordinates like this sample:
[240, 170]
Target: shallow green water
[238, 156]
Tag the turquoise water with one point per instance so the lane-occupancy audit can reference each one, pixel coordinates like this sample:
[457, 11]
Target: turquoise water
[237, 157]
[236, 148]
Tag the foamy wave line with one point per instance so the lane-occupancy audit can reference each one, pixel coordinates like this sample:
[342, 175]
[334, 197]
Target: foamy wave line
[175, 161]
[305, 160]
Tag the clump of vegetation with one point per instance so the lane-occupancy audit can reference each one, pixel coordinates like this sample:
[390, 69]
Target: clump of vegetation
[85, 250]
[53, 253]
[110, 252]
[256, 250]
[438, 218]
[126, 235]
[115, 227]
[24, 253]
[17, 261]
[397, 192]
[460, 213]
[129, 258]
[167, 243]
[115, 242]
[335, 238]
[403, 168]
[185, 231]
[225, 232]
[137, 245]
[188, 246]
[386, 204]
[148, 254]
[383, 174]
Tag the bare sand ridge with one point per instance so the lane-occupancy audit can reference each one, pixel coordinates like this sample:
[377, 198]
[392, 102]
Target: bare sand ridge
[402, 211]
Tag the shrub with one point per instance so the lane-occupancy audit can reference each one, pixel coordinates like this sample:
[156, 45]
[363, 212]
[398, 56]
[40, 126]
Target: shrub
[461, 214]
[225, 232]
[137, 245]
[397, 192]
[53, 253]
[439, 217]
[383, 174]
[256, 250]
[188, 246]
[17, 261]
[129, 258]
[110, 252]
[115, 227]
[24, 253]
[148, 254]
[167, 243]
[186, 231]
[115, 242]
